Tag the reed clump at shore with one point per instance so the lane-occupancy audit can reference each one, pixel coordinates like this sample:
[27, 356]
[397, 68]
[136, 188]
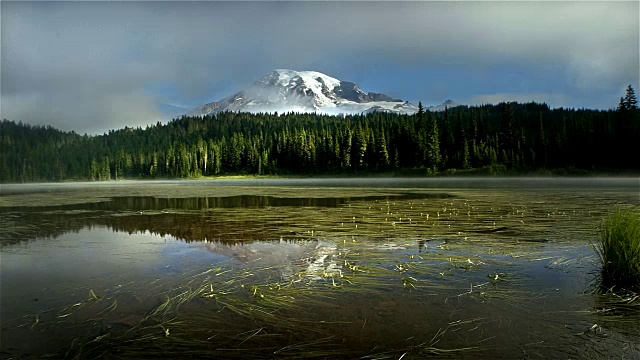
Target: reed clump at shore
[619, 249]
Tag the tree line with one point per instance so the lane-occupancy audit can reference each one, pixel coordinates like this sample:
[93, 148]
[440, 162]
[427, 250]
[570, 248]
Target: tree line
[495, 138]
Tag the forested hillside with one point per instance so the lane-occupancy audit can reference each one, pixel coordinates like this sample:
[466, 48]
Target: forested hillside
[507, 136]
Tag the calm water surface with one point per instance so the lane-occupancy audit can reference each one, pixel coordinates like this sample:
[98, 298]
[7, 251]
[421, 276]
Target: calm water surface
[375, 268]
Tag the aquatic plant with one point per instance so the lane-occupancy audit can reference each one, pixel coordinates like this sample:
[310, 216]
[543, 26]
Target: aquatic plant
[420, 276]
[619, 249]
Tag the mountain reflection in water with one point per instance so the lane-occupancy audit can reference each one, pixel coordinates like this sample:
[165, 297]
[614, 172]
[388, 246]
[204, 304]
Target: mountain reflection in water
[496, 274]
[175, 217]
[314, 257]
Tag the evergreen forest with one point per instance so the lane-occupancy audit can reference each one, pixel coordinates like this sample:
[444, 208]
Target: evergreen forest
[507, 138]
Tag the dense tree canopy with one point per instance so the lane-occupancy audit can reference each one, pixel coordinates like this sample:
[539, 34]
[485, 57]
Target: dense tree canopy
[507, 136]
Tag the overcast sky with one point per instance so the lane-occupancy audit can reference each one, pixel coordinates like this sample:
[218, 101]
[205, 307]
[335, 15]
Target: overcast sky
[95, 66]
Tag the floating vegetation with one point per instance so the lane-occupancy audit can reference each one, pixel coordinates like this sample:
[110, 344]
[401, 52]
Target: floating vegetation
[474, 273]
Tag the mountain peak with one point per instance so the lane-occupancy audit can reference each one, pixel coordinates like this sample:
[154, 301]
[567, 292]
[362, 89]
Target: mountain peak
[285, 90]
[286, 77]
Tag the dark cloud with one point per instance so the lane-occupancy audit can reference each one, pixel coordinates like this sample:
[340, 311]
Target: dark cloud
[94, 66]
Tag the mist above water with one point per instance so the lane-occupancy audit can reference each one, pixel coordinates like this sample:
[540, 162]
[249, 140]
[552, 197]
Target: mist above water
[384, 182]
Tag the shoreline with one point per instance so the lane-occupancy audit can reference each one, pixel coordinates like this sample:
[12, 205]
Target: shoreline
[409, 174]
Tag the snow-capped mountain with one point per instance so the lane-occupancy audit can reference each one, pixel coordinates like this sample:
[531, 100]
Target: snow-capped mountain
[308, 91]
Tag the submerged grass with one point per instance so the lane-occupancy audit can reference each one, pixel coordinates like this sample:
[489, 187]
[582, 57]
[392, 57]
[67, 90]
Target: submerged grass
[397, 278]
[253, 313]
[619, 249]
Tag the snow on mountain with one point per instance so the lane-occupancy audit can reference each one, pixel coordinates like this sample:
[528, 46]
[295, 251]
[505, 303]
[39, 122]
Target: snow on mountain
[447, 104]
[285, 90]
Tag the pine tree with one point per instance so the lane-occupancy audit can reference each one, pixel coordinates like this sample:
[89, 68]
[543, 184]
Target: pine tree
[420, 113]
[346, 151]
[359, 148]
[465, 155]
[507, 128]
[382, 152]
[396, 159]
[433, 146]
[542, 139]
[621, 105]
[630, 100]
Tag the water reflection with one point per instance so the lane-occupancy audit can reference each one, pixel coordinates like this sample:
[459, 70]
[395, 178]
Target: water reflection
[357, 271]
[149, 203]
[186, 227]
[171, 216]
[312, 257]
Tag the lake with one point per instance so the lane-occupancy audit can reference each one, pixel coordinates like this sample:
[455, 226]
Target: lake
[370, 268]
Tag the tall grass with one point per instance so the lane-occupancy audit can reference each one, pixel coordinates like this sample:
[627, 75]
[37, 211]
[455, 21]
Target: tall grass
[619, 249]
